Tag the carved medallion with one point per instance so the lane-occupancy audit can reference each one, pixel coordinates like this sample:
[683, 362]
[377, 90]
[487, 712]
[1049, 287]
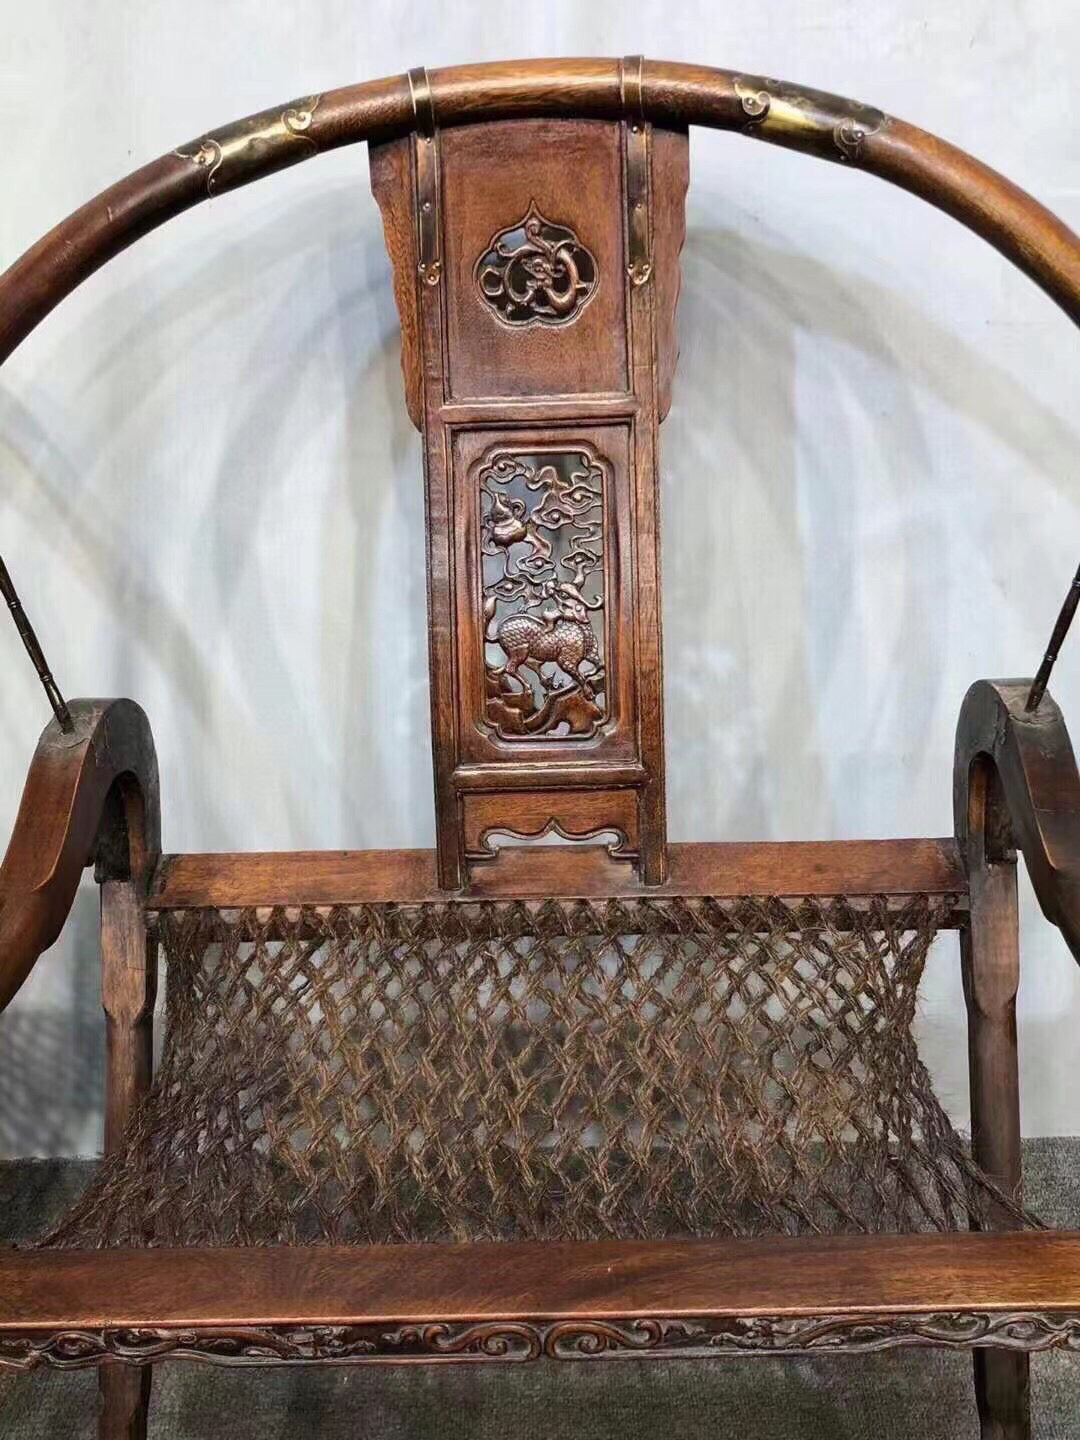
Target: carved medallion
[536, 272]
[542, 582]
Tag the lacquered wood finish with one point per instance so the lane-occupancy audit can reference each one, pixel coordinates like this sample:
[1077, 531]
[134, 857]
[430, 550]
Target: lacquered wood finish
[91, 793]
[518, 1301]
[343, 877]
[570, 378]
[671, 95]
[128, 988]
[124, 1401]
[1015, 785]
[1036, 799]
[990, 958]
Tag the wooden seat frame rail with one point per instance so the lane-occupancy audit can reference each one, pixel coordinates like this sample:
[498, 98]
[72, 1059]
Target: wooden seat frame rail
[91, 797]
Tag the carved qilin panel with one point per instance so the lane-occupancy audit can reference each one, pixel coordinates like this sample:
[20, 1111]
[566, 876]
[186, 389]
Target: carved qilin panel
[536, 272]
[542, 532]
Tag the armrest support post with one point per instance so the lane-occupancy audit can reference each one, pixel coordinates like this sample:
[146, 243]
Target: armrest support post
[90, 795]
[990, 960]
[990, 957]
[128, 990]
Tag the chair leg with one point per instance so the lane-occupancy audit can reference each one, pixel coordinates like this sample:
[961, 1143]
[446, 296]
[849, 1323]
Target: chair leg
[990, 960]
[128, 985]
[123, 1402]
[1003, 1395]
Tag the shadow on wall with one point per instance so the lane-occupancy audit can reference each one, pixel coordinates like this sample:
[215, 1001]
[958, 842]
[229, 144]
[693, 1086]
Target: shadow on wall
[52, 1057]
[765, 539]
[228, 689]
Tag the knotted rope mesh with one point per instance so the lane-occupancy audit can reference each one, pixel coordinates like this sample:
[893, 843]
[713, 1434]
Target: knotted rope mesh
[557, 1069]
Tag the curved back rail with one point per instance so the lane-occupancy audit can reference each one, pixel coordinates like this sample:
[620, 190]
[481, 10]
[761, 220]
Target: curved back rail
[665, 93]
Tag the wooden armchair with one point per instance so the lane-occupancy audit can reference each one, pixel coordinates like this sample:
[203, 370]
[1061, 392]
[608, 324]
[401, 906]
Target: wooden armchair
[509, 1100]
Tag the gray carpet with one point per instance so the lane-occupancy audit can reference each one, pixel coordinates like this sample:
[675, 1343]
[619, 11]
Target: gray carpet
[911, 1395]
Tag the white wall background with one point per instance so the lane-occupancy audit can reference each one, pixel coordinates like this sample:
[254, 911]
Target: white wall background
[210, 495]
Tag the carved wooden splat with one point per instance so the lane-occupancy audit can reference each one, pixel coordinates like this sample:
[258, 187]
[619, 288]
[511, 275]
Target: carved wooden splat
[536, 273]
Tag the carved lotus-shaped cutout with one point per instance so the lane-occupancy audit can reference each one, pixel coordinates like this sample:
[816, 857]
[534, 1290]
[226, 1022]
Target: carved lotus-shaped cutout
[536, 272]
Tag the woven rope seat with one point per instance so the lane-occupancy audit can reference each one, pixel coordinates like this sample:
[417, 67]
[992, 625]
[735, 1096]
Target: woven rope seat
[547, 1070]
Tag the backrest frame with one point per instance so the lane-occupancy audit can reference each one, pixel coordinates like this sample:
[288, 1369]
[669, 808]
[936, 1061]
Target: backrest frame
[536, 273]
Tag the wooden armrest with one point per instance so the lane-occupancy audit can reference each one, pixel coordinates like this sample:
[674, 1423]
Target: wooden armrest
[91, 794]
[1032, 800]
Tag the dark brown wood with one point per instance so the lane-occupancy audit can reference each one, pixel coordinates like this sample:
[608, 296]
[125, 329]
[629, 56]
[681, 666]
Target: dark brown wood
[490, 174]
[89, 794]
[573, 814]
[128, 990]
[671, 95]
[391, 168]
[990, 954]
[342, 877]
[124, 1402]
[438, 1342]
[1039, 810]
[1003, 1394]
[92, 795]
[990, 944]
[881, 1276]
[669, 228]
[1015, 784]
[592, 760]
[557, 364]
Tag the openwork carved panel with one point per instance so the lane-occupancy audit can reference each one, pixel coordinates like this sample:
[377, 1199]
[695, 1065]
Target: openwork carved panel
[536, 272]
[542, 529]
[514, 1341]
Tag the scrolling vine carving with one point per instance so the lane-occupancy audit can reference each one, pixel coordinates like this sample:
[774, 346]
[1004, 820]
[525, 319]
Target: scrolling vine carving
[516, 1341]
[542, 558]
[536, 272]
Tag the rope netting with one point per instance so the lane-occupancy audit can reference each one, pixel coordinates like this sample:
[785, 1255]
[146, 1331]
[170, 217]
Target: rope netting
[556, 1069]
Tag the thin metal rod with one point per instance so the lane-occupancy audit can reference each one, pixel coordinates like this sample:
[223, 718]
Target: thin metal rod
[1057, 639]
[34, 650]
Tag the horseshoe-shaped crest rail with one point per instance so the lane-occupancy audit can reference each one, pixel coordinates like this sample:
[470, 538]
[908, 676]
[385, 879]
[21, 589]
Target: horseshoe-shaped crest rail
[666, 93]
